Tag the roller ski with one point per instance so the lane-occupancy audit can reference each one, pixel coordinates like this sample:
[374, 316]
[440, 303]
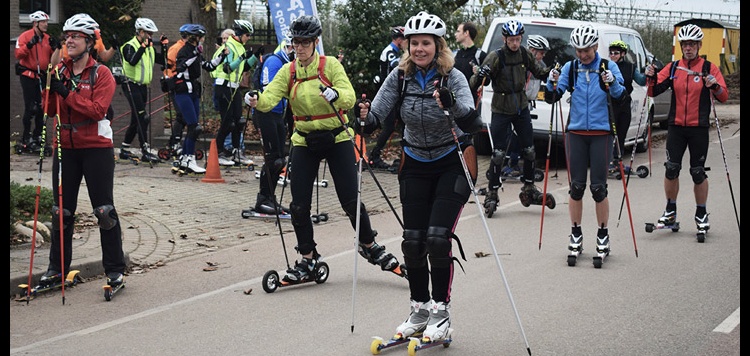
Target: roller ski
[305, 270]
[575, 246]
[175, 152]
[602, 250]
[187, 165]
[490, 202]
[437, 332]
[376, 255]
[514, 174]
[702, 224]
[614, 172]
[267, 208]
[530, 194]
[115, 282]
[668, 220]
[50, 281]
[413, 326]
[32, 147]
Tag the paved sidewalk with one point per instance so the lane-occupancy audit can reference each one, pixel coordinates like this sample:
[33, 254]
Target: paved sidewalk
[165, 217]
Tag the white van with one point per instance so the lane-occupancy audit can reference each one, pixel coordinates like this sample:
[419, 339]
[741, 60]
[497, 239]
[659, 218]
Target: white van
[557, 32]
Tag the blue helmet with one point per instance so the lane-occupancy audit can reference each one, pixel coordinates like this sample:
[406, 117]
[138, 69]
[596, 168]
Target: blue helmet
[184, 29]
[195, 30]
[512, 28]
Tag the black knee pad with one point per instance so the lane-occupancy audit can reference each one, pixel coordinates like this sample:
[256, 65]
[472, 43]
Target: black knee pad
[698, 174]
[68, 218]
[107, 216]
[414, 248]
[673, 170]
[299, 213]
[498, 156]
[576, 191]
[194, 131]
[529, 153]
[598, 192]
[439, 246]
[276, 164]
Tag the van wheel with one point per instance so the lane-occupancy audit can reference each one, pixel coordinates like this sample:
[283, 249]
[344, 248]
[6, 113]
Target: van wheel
[482, 143]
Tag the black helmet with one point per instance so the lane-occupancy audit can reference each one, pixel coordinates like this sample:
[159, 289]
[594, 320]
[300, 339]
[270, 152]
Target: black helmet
[306, 27]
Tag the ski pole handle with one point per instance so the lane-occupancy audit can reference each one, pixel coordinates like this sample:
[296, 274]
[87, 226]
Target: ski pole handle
[364, 100]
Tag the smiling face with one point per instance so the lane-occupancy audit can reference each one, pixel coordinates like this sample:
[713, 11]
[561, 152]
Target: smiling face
[422, 49]
[587, 55]
[76, 43]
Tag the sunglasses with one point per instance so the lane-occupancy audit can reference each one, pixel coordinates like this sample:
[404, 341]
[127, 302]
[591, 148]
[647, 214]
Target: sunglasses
[615, 53]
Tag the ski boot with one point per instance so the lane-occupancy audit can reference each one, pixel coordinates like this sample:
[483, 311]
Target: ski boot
[602, 250]
[306, 270]
[376, 255]
[379, 164]
[668, 220]
[126, 154]
[303, 270]
[702, 224]
[269, 205]
[147, 156]
[115, 282]
[438, 330]
[226, 159]
[49, 281]
[240, 160]
[490, 202]
[412, 327]
[530, 194]
[187, 165]
[575, 246]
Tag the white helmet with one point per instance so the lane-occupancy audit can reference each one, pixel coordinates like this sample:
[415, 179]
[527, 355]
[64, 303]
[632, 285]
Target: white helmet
[584, 36]
[424, 23]
[39, 16]
[537, 42]
[690, 32]
[146, 25]
[81, 23]
[242, 27]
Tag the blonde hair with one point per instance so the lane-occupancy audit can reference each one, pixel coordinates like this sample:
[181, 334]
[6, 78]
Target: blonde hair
[443, 62]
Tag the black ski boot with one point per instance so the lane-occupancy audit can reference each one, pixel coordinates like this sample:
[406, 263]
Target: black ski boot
[376, 255]
[490, 202]
[269, 205]
[530, 194]
[50, 278]
[147, 156]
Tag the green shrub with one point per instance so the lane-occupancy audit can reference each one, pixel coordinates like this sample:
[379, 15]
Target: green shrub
[23, 201]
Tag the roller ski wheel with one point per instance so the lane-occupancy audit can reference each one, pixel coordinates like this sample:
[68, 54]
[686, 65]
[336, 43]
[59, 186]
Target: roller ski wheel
[416, 344]
[199, 154]
[701, 235]
[323, 183]
[271, 280]
[599, 258]
[489, 208]
[538, 175]
[318, 218]
[164, 154]
[642, 171]
[573, 257]
[71, 279]
[535, 198]
[111, 290]
[379, 344]
[249, 167]
[650, 227]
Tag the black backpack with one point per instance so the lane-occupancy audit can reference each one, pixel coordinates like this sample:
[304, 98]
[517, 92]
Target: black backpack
[256, 84]
[573, 74]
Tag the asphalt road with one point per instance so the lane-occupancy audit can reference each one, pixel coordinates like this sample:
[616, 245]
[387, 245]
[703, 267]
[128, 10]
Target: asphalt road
[674, 297]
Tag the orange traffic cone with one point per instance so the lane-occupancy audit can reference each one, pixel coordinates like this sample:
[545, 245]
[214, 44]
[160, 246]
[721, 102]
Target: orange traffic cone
[359, 142]
[213, 174]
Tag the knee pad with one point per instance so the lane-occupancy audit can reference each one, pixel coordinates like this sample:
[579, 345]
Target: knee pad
[275, 164]
[414, 248]
[194, 131]
[146, 118]
[107, 216]
[598, 192]
[576, 191]
[67, 218]
[498, 156]
[529, 153]
[299, 213]
[698, 174]
[439, 246]
[673, 170]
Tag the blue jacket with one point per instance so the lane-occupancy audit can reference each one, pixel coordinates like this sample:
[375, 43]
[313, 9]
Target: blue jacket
[588, 105]
[271, 66]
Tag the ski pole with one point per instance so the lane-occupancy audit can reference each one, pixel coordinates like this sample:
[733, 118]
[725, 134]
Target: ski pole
[61, 211]
[632, 156]
[271, 184]
[39, 186]
[470, 181]
[367, 164]
[619, 153]
[546, 163]
[724, 157]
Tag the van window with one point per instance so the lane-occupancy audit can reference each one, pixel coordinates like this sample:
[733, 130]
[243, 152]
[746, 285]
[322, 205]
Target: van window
[558, 37]
[636, 51]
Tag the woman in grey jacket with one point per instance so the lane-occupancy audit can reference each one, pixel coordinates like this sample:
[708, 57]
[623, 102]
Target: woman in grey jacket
[437, 110]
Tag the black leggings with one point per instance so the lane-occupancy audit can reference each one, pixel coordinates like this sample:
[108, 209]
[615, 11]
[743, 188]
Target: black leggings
[272, 128]
[32, 99]
[303, 171]
[137, 95]
[97, 166]
[230, 109]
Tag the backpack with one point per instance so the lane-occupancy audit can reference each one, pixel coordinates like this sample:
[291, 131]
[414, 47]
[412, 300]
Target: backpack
[402, 93]
[706, 68]
[255, 80]
[501, 56]
[321, 74]
[573, 75]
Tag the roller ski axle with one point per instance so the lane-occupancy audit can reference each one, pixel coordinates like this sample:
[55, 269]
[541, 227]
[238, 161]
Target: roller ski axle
[115, 282]
[304, 271]
[531, 195]
[50, 282]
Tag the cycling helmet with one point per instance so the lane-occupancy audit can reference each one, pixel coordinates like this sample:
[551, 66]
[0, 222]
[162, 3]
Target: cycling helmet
[286, 39]
[81, 23]
[584, 36]
[424, 23]
[537, 42]
[397, 32]
[184, 28]
[306, 27]
[195, 30]
[39, 16]
[146, 25]
[620, 45]
[513, 28]
[243, 27]
[690, 32]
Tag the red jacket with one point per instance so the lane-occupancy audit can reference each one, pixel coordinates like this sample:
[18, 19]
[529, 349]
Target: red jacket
[39, 54]
[691, 100]
[82, 113]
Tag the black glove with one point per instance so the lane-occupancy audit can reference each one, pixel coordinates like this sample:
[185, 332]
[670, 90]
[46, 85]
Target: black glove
[58, 86]
[54, 43]
[33, 41]
[447, 97]
[258, 52]
[471, 123]
[226, 68]
[484, 71]
[247, 54]
[551, 96]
